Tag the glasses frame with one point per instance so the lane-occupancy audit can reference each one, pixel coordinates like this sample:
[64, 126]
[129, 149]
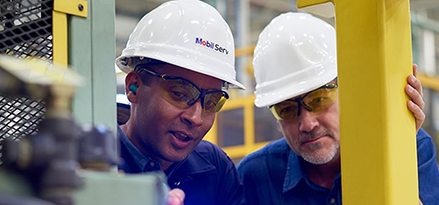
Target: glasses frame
[203, 92]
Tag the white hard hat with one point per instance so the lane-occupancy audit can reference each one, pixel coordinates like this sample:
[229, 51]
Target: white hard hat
[186, 33]
[295, 54]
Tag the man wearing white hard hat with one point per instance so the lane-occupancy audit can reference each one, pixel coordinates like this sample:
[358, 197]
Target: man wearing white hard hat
[180, 63]
[296, 77]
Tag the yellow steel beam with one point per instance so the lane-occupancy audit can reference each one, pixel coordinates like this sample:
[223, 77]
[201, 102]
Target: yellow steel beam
[240, 151]
[212, 135]
[246, 103]
[249, 123]
[244, 51]
[378, 144]
[239, 102]
[429, 81]
[60, 38]
[307, 3]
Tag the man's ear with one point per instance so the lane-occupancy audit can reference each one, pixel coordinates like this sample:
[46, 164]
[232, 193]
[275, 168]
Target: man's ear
[132, 82]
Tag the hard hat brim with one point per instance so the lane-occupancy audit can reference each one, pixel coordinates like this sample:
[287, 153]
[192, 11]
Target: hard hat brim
[267, 95]
[188, 63]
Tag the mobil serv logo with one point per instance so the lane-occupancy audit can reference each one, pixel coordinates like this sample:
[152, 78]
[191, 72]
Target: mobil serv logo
[211, 45]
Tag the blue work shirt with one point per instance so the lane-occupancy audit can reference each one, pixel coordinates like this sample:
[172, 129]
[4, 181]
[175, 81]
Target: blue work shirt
[274, 175]
[207, 175]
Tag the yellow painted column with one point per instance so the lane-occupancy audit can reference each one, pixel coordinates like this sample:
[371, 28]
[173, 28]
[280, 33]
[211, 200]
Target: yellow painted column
[60, 38]
[378, 143]
[61, 8]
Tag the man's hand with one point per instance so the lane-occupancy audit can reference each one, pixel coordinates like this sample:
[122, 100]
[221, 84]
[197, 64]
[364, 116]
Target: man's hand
[416, 104]
[176, 197]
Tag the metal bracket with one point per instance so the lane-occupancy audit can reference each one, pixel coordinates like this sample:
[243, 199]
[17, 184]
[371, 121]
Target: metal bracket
[72, 7]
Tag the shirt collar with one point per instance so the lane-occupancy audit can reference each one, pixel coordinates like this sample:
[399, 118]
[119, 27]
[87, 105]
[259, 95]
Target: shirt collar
[143, 162]
[294, 172]
[196, 163]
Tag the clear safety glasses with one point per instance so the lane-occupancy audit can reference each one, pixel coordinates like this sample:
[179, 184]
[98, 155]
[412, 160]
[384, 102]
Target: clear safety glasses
[314, 101]
[182, 93]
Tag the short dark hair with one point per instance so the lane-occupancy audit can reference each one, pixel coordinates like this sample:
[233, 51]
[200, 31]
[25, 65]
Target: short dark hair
[150, 64]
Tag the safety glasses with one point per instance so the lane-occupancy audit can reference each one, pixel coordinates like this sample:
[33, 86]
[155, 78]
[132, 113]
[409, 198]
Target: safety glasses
[182, 93]
[314, 101]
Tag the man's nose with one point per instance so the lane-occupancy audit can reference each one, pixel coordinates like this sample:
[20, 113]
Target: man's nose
[307, 120]
[193, 114]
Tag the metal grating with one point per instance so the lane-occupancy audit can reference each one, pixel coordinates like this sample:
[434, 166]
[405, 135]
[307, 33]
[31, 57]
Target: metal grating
[25, 31]
[19, 116]
[26, 28]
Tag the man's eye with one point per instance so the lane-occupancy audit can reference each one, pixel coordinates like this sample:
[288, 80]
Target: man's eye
[320, 99]
[287, 109]
[178, 95]
[320, 103]
[209, 104]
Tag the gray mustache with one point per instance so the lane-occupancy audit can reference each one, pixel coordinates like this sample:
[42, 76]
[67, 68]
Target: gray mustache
[314, 133]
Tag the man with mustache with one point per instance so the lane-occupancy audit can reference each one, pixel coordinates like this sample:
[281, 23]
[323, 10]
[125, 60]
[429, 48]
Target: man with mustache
[295, 68]
[179, 62]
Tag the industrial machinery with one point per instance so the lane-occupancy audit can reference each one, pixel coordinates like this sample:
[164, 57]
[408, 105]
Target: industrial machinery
[60, 162]
[49, 154]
